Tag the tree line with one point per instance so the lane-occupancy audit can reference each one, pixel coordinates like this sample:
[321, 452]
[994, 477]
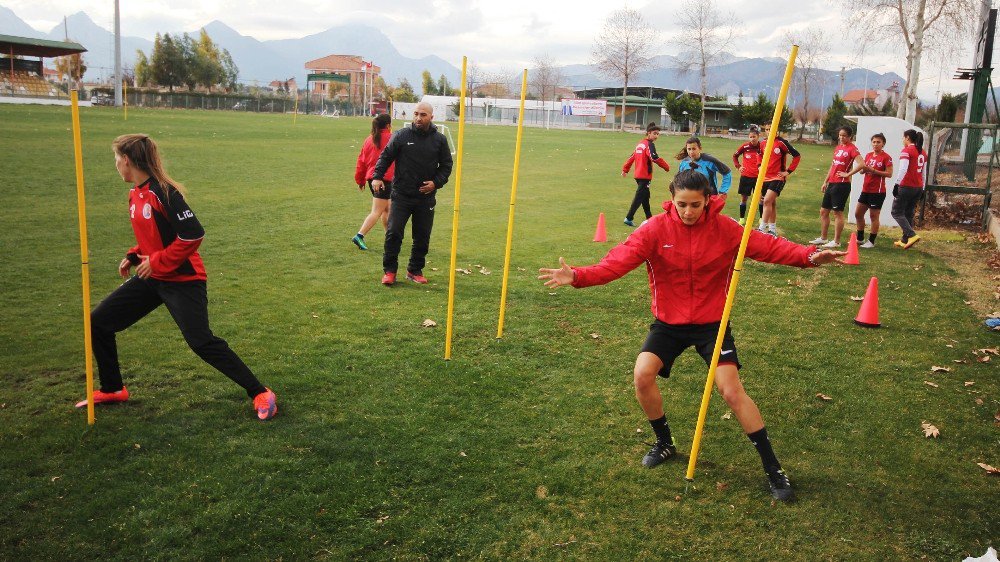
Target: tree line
[177, 61]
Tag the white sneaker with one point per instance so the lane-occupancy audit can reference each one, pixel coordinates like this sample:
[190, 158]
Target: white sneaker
[817, 241]
[868, 244]
[831, 244]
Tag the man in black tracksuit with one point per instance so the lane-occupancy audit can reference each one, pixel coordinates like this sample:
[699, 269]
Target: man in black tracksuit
[423, 164]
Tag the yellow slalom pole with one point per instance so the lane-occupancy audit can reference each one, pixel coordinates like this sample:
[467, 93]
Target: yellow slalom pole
[295, 111]
[513, 201]
[81, 205]
[738, 267]
[454, 222]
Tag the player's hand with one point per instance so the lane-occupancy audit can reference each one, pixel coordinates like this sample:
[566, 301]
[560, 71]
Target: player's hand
[361, 187]
[378, 186]
[843, 175]
[828, 256]
[144, 270]
[427, 187]
[823, 188]
[783, 175]
[556, 277]
[624, 174]
[123, 268]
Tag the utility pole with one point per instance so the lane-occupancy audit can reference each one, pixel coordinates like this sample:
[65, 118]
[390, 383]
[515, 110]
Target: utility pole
[842, 76]
[118, 56]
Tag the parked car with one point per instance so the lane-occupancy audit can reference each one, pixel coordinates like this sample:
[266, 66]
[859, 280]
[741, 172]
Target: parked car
[101, 99]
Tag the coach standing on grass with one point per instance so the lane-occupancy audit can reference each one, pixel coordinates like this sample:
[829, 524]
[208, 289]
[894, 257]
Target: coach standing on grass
[423, 164]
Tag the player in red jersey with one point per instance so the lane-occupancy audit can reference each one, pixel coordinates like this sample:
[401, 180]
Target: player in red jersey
[909, 185]
[370, 151]
[837, 187]
[688, 251]
[877, 167]
[748, 158]
[643, 157]
[168, 271]
[774, 182]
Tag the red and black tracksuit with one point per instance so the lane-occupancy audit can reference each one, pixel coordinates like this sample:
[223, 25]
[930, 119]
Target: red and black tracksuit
[643, 157]
[168, 232]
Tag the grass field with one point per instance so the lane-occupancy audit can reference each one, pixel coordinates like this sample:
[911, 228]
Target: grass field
[528, 447]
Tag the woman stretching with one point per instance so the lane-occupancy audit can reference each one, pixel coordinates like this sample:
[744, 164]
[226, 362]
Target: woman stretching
[689, 252]
[168, 271]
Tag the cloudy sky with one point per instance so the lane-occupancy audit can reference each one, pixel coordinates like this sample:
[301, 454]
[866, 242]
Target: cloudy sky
[495, 34]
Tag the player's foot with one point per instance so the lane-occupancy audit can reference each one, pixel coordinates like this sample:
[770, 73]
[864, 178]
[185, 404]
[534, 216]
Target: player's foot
[359, 241]
[781, 487]
[106, 397]
[773, 232]
[416, 278]
[819, 240]
[658, 454]
[831, 244]
[389, 278]
[868, 244]
[913, 240]
[628, 222]
[266, 404]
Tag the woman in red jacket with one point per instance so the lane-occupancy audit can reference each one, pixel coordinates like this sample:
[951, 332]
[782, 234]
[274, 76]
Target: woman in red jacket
[168, 271]
[643, 157]
[689, 252]
[370, 151]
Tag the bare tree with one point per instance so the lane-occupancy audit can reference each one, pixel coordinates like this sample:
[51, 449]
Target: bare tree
[704, 34]
[813, 48]
[624, 48]
[544, 78]
[919, 25]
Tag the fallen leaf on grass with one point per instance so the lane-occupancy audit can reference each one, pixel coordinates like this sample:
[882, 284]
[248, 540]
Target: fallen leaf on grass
[484, 271]
[990, 350]
[933, 284]
[434, 269]
[595, 335]
[677, 498]
[463, 271]
[967, 302]
[382, 519]
[137, 446]
[917, 267]
[822, 396]
[938, 369]
[970, 383]
[727, 416]
[552, 293]
[856, 298]
[315, 315]
[54, 478]
[979, 402]
[541, 492]
[959, 361]
[996, 416]
[721, 486]
[989, 469]
[930, 430]
[462, 454]
[949, 345]
[929, 383]
[428, 323]
[984, 359]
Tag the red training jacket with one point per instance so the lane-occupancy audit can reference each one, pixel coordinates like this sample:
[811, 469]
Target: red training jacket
[365, 168]
[644, 156]
[167, 231]
[753, 155]
[689, 266]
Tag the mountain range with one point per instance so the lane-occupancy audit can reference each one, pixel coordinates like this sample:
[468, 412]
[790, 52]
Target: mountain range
[260, 62]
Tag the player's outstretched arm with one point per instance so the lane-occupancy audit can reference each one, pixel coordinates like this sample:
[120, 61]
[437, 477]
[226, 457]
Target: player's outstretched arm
[557, 277]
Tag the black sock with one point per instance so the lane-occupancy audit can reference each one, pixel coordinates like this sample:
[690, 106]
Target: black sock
[743, 210]
[871, 237]
[662, 430]
[763, 445]
[361, 236]
[861, 235]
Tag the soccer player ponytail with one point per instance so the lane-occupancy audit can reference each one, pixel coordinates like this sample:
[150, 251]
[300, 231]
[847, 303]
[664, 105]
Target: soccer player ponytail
[916, 137]
[381, 121]
[143, 153]
[652, 127]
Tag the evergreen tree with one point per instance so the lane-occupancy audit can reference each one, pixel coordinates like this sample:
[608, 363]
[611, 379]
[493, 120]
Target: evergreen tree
[834, 117]
[444, 88]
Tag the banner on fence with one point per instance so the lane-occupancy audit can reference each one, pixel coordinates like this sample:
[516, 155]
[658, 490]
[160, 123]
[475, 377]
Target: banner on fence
[585, 107]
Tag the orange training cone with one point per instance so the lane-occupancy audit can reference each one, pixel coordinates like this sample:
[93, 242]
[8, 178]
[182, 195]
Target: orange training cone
[868, 315]
[852, 250]
[601, 234]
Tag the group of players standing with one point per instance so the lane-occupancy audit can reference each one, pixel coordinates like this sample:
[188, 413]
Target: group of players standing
[876, 166]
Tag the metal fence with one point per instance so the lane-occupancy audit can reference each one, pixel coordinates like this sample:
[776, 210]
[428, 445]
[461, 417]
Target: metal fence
[241, 102]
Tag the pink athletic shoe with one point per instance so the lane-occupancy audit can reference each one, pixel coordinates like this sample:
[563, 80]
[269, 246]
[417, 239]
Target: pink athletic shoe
[106, 397]
[266, 404]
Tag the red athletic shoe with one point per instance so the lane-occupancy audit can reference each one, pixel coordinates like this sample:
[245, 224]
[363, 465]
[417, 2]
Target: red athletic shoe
[266, 404]
[106, 397]
[416, 278]
[389, 278]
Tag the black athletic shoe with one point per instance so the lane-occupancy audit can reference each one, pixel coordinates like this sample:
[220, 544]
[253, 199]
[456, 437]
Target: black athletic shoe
[659, 453]
[781, 487]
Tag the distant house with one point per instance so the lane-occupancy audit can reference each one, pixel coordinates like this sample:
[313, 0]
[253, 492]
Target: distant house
[355, 78]
[855, 98]
[288, 86]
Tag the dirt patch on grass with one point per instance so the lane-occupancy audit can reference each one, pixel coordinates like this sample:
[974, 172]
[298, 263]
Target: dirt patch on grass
[977, 262]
